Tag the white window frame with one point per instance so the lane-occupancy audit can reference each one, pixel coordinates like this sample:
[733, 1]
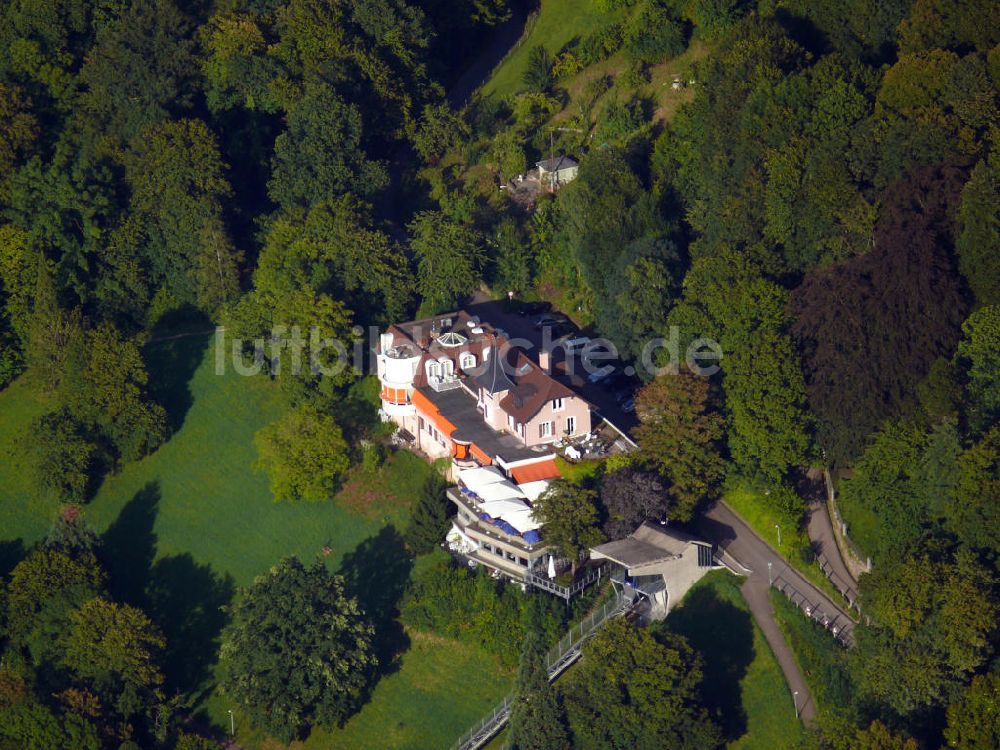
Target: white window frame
[467, 360]
[558, 404]
[433, 368]
[545, 429]
[570, 425]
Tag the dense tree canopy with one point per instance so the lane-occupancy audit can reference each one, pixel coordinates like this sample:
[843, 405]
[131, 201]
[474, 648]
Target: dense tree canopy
[298, 650]
[631, 691]
[679, 432]
[871, 328]
[304, 453]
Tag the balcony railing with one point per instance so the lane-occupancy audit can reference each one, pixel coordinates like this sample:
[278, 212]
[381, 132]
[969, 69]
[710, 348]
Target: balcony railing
[537, 579]
[446, 383]
[489, 530]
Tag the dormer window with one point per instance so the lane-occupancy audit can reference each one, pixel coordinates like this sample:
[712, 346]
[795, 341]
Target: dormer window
[467, 361]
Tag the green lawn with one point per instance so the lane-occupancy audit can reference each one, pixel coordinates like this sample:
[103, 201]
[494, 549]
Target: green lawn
[744, 686]
[187, 525]
[24, 513]
[863, 526]
[443, 687]
[557, 22]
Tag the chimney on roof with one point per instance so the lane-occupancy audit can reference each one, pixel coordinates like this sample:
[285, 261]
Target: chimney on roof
[545, 360]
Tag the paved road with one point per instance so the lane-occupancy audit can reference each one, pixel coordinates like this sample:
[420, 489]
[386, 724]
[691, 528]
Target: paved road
[820, 529]
[721, 526]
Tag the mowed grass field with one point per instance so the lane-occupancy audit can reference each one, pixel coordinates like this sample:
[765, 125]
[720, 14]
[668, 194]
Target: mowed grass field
[557, 22]
[744, 685]
[186, 526]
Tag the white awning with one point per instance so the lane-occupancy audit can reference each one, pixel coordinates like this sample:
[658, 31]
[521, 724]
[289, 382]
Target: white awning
[480, 476]
[499, 491]
[532, 490]
[522, 520]
[500, 508]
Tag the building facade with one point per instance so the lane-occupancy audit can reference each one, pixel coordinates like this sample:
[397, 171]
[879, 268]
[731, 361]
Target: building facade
[457, 389]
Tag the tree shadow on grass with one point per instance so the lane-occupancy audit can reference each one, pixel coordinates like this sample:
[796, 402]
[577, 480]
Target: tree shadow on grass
[723, 634]
[129, 545]
[172, 361]
[376, 573]
[185, 599]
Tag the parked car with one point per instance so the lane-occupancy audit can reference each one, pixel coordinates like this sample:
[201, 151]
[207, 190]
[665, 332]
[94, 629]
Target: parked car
[623, 394]
[533, 309]
[628, 406]
[549, 319]
[598, 375]
[563, 329]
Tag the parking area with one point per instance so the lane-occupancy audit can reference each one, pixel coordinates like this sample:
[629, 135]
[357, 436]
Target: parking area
[610, 395]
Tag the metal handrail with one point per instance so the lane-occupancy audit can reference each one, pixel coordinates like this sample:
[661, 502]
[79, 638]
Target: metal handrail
[559, 658]
[839, 626]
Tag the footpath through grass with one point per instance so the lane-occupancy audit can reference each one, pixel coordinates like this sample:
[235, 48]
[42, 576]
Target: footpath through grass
[743, 685]
[187, 525]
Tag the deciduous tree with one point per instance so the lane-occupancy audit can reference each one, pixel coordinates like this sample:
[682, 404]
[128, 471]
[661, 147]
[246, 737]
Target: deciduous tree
[972, 719]
[631, 496]
[632, 691]
[568, 515]
[298, 651]
[114, 642]
[979, 355]
[64, 456]
[679, 432]
[321, 155]
[871, 328]
[304, 454]
[978, 241]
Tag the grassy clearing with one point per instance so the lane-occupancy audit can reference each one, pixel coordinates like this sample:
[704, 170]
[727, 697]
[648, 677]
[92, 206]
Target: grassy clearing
[187, 525]
[763, 517]
[863, 526]
[582, 472]
[557, 23]
[743, 684]
[821, 658]
[25, 513]
[441, 689]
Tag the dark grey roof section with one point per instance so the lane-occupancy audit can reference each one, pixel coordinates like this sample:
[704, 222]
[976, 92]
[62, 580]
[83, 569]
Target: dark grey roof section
[650, 543]
[459, 408]
[493, 377]
[632, 552]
